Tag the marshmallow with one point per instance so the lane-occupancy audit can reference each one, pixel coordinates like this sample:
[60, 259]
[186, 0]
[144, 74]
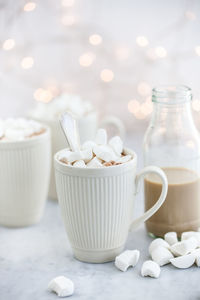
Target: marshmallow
[89, 145]
[104, 152]
[156, 243]
[116, 144]
[150, 268]
[18, 129]
[184, 247]
[161, 255]
[124, 159]
[126, 259]
[62, 286]
[186, 235]
[171, 238]
[196, 254]
[183, 262]
[87, 155]
[79, 164]
[95, 163]
[101, 137]
[74, 156]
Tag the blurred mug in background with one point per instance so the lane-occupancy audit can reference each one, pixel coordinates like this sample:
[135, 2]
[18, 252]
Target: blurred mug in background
[88, 123]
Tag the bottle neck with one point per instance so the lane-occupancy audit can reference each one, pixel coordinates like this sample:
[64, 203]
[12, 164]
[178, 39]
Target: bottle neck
[173, 116]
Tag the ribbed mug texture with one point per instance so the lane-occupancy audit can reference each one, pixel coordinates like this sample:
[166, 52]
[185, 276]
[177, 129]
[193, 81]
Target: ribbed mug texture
[24, 179]
[97, 207]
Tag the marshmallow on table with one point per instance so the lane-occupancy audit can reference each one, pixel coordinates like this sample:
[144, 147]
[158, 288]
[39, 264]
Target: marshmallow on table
[126, 259]
[101, 137]
[161, 255]
[95, 163]
[196, 254]
[150, 268]
[186, 235]
[171, 238]
[79, 164]
[184, 247]
[156, 243]
[62, 286]
[116, 144]
[183, 262]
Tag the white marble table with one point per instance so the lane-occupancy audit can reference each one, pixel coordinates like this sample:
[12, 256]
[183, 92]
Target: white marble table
[31, 257]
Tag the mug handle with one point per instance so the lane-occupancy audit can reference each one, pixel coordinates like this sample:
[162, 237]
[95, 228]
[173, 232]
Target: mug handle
[116, 122]
[157, 205]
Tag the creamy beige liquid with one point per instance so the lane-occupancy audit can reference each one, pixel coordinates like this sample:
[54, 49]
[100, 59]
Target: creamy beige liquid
[181, 210]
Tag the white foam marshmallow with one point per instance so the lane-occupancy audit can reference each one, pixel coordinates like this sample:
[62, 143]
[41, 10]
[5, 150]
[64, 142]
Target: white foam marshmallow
[95, 163]
[101, 137]
[116, 144]
[18, 129]
[150, 268]
[196, 254]
[161, 255]
[87, 155]
[105, 153]
[183, 262]
[124, 159]
[186, 235]
[184, 247]
[171, 238]
[79, 164]
[126, 259]
[156, 243]
[62, 286]
[89, 145]
[74, 156]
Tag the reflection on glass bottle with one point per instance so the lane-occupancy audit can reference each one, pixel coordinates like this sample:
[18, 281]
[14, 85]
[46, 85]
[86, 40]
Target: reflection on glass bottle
[172, 142]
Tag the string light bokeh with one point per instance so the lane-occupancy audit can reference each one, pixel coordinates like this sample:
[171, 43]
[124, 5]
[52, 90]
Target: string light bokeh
[81, 56]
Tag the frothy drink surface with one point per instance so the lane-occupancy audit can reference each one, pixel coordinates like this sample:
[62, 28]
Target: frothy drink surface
[181, 210]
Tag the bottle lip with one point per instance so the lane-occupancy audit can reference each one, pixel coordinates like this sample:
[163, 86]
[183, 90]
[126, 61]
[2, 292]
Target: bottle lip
[171, 94]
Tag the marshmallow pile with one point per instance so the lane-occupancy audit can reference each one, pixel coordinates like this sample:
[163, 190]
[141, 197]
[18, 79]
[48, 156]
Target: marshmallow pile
[19, 129]
[97, 154]
[181, 254]
[65, 102]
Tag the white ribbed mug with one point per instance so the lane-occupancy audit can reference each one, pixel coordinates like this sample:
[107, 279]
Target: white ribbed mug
[97, 206]
[24, 179]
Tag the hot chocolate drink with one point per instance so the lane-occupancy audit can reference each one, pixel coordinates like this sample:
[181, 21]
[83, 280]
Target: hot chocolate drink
[181, 209]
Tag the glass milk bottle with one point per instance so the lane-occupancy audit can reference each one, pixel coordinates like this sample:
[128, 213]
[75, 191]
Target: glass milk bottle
[172, 142]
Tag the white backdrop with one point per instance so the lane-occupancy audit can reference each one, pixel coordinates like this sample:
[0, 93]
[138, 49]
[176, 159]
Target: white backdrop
[46, 49]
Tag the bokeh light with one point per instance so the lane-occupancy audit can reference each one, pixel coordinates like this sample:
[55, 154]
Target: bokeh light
[8, 44]
[29, 6]
[27, 62]
[144, 88]
[107, 75]
[95, 39]
[161, 52]
[87, 59]
[43, 95]
[142, 41]
[67, 3]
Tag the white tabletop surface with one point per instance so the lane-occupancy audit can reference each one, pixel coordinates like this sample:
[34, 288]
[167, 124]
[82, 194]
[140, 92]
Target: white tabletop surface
[31, 257]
